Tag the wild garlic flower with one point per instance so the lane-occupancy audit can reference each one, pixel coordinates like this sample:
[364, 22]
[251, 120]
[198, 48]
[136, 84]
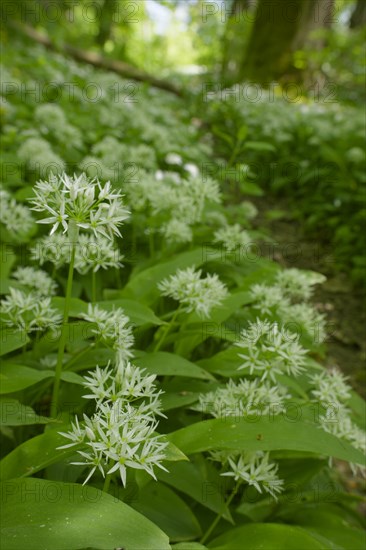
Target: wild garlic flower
[249, 209]
[52, 120]
[330, 387]
[16, 217]
[233, 237]
[94, 253]
[84, 203]
[91, 253]
[95, 168]
[177, 231]
[121, 433]
[35, 280]
[112, 328]
[271, 351]
[306, 316]
[28, 312]
[194, 293]
[298, 284]
[194, 194]
[125, 383]
[268, 298]
[338, 422]
[255, 469]
[242, 398]
[173, 158]
[37, 154]
[55, 248]
[332, 392]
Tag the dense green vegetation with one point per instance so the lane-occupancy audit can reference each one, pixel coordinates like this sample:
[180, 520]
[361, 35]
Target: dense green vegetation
[163, 383]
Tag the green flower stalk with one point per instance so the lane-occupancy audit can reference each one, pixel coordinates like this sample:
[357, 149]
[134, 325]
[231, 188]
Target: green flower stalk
[76, 203]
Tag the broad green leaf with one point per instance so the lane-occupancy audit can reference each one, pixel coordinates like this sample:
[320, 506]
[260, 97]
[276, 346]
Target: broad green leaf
[173, 454]
[143, 285]
[76, 306]
[189, 546]
[338, 538]
[201, 481]
[260, 146]
[34, 455]
[213, 326]
[267, 536]
[12, 339]
[253, 433]
[163, 363]
[331, 522]
[358, 406]
[138, 313]
[226, 363]
[170, 400]
[13, 413]
[184, 391]
[72, 378]
[90, 358]
[68, 516]
[168, 511]
[14, 377]
[242, 132]
[8, 257]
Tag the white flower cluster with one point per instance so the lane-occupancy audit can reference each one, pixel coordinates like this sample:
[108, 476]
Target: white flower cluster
[308, 317]
[91, 253]
[271, 351]
[95, 168]
[110, 156]
[194, 293]
[52, 120]
[177, 231]
[120, 434]
[181, 202]
[330, 387]
[35, 280]
[292, 285]
[82, 202]
[255, 469]
[17, 218]
[298, 284]
[233, 237]
[249, 209]
[29, 312]
[112, 328]
[242, 398]
[37, 154]
[331, 390]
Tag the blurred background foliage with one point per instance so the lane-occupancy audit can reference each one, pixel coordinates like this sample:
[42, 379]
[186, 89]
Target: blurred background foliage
[227, 40]
[275, 83]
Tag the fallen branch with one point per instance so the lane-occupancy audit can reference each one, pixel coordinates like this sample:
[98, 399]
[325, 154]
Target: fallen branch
[92, 58]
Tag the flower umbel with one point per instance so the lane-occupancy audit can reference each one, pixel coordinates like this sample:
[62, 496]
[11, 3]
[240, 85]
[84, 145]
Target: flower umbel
[194, 293]
[271, 351]
[82, 201]
[120, 434]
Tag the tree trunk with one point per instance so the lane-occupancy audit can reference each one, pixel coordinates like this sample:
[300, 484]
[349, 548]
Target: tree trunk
[106, 21]
[233, 41]
[358, 17]
[279, 29]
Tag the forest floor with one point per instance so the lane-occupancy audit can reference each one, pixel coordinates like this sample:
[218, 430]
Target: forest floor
[341, 302]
